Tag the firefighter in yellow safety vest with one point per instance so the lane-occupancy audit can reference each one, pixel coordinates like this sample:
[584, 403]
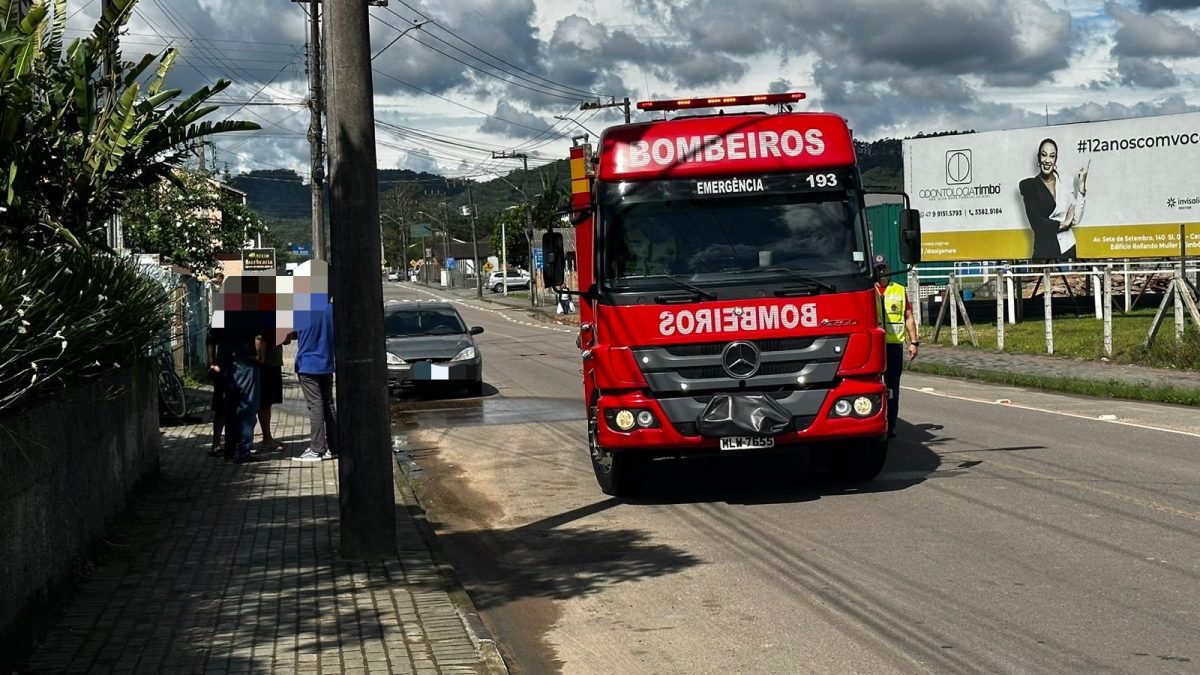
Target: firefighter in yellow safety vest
[899, 324]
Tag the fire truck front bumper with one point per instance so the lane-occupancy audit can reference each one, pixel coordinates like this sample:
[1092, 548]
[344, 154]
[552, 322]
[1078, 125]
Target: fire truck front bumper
[743, 421]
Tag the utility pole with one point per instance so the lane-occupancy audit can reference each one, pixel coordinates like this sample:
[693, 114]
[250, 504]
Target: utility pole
[612, 103]
[368, 516]
[508, 154]
[115, 234]
[316, 136]
[474, 243]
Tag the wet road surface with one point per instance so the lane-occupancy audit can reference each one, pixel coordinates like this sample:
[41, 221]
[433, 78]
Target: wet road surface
[1039, 534]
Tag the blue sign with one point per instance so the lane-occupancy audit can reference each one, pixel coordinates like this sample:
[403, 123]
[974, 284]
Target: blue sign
[537, 258]
[451, 263]
[302, 249]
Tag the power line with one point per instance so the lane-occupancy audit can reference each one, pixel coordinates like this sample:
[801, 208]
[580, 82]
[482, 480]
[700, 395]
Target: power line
[589, 94]
[537, 88]
[461, 105]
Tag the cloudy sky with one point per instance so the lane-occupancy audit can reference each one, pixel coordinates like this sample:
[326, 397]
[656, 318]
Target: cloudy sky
[489, 75]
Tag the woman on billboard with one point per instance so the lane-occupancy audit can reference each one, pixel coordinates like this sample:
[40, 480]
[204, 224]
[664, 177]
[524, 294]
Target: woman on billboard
[1052, 207]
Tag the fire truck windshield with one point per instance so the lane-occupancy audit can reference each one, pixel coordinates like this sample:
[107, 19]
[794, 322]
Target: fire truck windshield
[731, 238]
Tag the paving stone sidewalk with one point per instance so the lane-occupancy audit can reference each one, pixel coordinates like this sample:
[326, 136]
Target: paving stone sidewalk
[234, 569]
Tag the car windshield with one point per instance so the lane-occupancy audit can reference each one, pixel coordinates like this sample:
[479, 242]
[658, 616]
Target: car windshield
[703, 240]
[423, 321]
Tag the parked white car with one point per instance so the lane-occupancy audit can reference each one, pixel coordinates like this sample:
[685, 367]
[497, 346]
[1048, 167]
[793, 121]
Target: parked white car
[516, 280]
[393, 276]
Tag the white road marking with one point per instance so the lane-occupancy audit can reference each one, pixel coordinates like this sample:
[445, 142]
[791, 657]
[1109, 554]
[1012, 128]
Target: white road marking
[1093, 418]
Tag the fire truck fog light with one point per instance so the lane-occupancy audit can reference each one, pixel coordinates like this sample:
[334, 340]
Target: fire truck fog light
[841, 408]
[645, 419]
[863, 406]
[624, 420]
[645, 359]
[837, 350]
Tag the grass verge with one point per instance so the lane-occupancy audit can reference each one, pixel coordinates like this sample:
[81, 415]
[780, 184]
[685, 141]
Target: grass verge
[1070, 385]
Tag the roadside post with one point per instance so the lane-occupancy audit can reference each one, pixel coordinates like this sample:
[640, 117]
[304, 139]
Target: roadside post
[1000, 308]
[1108, 303]
[1047, 302]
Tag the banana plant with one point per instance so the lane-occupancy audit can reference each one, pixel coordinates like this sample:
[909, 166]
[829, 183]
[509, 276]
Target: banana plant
[76, 138]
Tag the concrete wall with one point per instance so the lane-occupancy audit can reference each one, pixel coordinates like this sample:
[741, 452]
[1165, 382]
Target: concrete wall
[68, 469]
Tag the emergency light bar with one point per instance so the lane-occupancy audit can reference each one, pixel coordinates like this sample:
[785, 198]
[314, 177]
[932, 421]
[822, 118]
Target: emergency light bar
[712, 102]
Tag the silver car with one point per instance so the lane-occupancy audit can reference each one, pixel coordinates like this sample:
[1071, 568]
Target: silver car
[429, 347]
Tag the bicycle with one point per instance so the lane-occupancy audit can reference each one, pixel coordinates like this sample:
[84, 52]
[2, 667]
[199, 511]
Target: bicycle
[171, 394]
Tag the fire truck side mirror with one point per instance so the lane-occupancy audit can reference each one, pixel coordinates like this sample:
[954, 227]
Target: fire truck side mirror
[554, 265]
[910, 236]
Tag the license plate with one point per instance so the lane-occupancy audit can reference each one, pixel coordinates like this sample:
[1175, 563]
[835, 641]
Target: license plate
[746, 442]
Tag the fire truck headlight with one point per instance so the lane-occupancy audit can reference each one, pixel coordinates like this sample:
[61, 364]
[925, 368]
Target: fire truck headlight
[842, 407]
[863, 406]
[645, 419]
[624, 420]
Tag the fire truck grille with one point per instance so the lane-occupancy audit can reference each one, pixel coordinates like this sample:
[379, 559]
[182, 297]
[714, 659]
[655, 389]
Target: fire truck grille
[712, 372]
[715, 348]
[788, 363]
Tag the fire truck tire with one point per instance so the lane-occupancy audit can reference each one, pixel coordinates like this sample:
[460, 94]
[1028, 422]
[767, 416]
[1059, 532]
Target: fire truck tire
[616, 472]
[858, 461]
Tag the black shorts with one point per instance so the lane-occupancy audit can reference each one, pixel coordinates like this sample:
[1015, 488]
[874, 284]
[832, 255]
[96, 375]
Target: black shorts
[271, 391]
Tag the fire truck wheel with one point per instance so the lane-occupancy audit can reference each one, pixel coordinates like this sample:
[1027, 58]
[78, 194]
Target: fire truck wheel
[858, 461]
[616, 472]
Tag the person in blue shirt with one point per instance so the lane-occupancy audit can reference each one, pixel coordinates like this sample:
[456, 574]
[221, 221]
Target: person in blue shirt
[314, 366]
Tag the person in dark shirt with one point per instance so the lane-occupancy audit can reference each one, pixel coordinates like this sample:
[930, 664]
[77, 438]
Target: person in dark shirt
[240, 353]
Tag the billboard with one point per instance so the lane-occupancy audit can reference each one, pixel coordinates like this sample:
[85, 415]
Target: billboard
[1094, 190]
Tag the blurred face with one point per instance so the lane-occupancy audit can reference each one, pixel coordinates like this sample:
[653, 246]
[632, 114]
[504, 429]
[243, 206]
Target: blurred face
[1047, 159]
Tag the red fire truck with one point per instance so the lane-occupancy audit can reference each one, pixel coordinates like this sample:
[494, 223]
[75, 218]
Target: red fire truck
[726, 286]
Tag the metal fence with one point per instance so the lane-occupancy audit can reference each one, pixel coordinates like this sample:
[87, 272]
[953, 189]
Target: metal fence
[1006, 284]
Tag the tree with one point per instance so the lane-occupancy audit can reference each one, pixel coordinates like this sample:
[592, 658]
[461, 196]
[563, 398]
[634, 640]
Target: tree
[188, 221]
[74, 142]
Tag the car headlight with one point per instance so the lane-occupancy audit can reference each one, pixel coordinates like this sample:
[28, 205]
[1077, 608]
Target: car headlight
[393, 360]
[465, 355]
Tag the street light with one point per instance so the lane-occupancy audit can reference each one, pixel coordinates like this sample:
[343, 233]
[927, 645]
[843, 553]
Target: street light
[415, 25]
[577, 123]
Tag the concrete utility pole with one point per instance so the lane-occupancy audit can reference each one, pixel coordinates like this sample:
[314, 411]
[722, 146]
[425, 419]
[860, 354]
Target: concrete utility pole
[115, 233]
[528, 219]
[316, 135]
[474, 243]
[368, 517]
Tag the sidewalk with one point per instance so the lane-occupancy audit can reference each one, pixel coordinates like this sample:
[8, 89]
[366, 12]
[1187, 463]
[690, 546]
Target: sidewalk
[974, 362]
[234, 569]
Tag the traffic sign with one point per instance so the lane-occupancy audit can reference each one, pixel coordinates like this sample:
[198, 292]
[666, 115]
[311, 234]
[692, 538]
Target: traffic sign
[451, 263]
[302, 249]
[487, 267]
[414, 263]
[537, 258]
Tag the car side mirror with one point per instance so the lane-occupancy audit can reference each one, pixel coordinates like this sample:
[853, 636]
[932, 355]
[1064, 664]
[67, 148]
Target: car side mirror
[554, 263]
[476, 330]
[910, 236]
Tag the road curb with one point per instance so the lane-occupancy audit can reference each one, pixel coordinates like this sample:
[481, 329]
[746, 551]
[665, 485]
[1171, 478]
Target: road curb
[488, 649]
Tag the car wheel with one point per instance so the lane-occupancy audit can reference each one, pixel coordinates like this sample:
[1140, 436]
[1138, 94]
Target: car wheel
[497, 288]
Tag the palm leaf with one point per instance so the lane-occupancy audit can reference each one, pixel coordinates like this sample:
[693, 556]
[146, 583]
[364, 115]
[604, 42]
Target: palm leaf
[164, 66]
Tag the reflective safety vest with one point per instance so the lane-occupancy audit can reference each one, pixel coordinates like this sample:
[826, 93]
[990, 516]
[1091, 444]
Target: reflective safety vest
[895, 300]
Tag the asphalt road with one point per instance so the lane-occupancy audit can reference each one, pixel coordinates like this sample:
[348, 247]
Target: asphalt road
[1011, 531]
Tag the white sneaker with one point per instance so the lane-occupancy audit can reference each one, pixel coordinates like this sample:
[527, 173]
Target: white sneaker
[307, 456]
[328, 455]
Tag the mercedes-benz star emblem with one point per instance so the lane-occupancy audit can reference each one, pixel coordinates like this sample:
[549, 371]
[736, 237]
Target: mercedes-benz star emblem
[740, 359]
